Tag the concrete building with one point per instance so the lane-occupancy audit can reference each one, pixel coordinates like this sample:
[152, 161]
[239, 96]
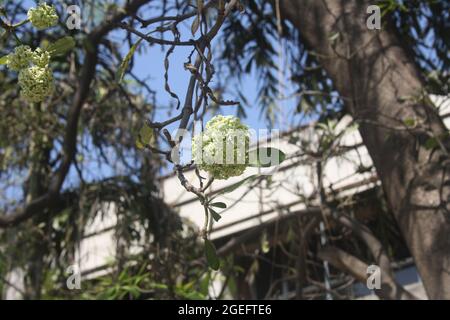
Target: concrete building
[253, 210]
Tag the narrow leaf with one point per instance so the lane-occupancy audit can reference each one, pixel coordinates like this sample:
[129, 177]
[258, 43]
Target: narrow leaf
[126, 61]
[215, 215]
[204, 284]
[211, 255]
[265, 245]
[236, 185]
[61, 46]
[219, 205]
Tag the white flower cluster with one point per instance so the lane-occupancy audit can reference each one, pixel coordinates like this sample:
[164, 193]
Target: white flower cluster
[35, 76]
[43, 17]
[36, 83]
[20, 59]
[222, 149]
[40, 58]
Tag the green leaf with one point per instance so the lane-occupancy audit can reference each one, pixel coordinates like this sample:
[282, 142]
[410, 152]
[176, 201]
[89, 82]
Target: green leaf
[236, 185]
[4, 60]
[215, 215]
[61, 46]
[265, 157]
[265, 246]
[211, 255]
[204, 284]
[146, 134]
[219, 205]
[145, 137]
[160, 286]
[139, 144]
[126, 61]
[431, 143]
[410, 122]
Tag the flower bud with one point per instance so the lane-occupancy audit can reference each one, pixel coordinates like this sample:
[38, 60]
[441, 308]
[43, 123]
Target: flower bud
[40, 57]
[43, 17]
[20, 59]
[36, 83]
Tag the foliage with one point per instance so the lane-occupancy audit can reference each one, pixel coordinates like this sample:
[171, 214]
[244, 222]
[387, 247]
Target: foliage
[118, 150]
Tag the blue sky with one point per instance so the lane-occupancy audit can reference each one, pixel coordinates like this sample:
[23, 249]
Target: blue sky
[150, 65]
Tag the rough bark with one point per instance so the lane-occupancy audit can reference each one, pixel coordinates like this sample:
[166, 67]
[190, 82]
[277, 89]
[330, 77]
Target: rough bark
[379, 83]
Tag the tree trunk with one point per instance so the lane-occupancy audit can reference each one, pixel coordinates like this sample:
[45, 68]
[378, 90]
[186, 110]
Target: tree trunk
[382, 87]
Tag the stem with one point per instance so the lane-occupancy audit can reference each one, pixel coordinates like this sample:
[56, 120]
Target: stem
[19, 24]
[205, 226]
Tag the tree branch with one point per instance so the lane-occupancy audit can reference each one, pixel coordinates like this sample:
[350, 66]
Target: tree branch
[48, 200]
[348, 263]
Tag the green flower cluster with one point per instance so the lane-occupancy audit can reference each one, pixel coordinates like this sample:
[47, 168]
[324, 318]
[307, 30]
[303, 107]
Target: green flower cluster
[35, 76]
[43, 17]
[222, 149]
[36, 83]
[20, 59]
[40, 58]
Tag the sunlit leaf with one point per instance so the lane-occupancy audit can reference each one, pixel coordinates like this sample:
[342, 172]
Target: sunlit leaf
[265, 246]
[139, 144]
[61, 46]
[126, 61]
[4, 59]
[146, 134]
